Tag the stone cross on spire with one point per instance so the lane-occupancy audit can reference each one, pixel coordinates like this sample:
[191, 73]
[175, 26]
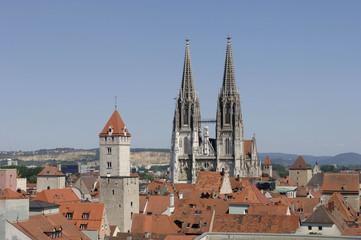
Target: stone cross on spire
[229, 81]
[187, 89]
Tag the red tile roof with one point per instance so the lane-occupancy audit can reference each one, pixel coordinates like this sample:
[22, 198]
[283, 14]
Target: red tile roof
[186, 189]
[249, 195]
[37, 226]
[272, 209]
[208, 182]
[51, 171]
[267, 162]
[57, 196]
[117, 124]
[155, 204]
[255, 223]
[95, 213]
[341, 182]
[161, 224]
[248, 148]
[7, 193]
[300, 164]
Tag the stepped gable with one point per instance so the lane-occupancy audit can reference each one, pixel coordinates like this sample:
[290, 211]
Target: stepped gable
[341, 182]
[117, 125]
[300, 164]
[51, 171]
[267, 162]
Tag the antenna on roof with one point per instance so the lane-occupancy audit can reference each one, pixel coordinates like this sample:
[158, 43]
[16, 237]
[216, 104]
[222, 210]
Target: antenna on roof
[116, 102]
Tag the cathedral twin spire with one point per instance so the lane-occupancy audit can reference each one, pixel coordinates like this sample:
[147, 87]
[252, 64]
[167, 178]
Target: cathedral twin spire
[229, 80]
[187, 90]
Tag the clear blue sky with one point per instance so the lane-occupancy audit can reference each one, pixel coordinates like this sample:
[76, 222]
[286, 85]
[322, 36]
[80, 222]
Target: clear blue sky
[297, 64]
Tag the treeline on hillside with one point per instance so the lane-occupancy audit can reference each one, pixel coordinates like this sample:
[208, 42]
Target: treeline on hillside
[282, 170]
[150, 150]
[24, 172]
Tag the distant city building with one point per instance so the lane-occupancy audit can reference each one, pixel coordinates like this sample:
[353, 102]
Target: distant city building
[8, 179]
[300, 172]
[190, 152]
[267, 167]
[50, 178]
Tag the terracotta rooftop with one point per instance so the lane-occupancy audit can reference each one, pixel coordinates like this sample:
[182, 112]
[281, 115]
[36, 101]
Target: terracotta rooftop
[118, 127]
[51, 171]
[7, 193]
[154, 204]
[272, 209]
[186, 189]
[161, 224]
[57, 196]
[267, 162]
[316, 180]
[160, 188]
[89, 181]
[304, 206]
[255, 223]
[248, 148]
[37, 204]
[194, 215]
[340, 182]
[249, 195]
[287, 181]
[38, 225]
[93, 218]
[300, 164]
[208, 181]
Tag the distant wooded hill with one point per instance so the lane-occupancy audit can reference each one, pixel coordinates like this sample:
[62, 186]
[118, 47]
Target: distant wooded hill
[287, 159]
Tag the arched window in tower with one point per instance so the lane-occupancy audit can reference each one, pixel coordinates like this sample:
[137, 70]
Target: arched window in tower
[228, 147]
[185, 115]
[186, 146]
[228, 113]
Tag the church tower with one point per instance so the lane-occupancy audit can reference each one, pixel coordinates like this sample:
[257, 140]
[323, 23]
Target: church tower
[229, 128]
[187, 130]
[118, 190]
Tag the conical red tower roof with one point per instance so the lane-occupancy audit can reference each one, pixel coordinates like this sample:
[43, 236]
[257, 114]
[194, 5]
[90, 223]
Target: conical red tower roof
[299, 164]
[267, 162]
[117, 125]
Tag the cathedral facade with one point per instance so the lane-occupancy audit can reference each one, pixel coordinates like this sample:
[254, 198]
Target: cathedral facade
[192, 151]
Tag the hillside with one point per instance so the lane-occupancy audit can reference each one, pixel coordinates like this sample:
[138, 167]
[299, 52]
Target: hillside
[343, 159]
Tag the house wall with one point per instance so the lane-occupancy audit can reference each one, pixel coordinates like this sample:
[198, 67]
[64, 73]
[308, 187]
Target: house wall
[121, 198]
[54, 182]
[8, 179]
[21, 183]
[12, 233]
[81, 186]
[301, 177]
[330, 230]
[12, 210]
[238, 209]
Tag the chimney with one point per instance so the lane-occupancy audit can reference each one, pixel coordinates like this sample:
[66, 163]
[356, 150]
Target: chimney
[331, 206]
[171, 200]
[180, 196]
[292, 206]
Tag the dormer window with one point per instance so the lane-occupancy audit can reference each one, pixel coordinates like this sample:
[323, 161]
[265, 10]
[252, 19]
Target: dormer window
[83, 226]
[85, 216]
[125, 131]
[110, 130]
[69, 215]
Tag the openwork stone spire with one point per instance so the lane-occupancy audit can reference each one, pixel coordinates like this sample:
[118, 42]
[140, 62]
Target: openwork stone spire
[187, 90]
[229, 82]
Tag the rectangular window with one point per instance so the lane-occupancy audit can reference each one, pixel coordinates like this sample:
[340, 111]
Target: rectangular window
[69, 215]
[109, 164]
[309, 228]
[109, 151]
[320, 228]
[83, 226]
[85, 216]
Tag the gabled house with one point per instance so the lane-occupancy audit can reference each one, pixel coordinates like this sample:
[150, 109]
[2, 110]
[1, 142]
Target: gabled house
[50, 178]
[87, 217]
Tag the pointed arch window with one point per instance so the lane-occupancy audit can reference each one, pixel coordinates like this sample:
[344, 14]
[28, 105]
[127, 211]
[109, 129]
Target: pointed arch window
[185, 115]
[228, 113]
[186, 146]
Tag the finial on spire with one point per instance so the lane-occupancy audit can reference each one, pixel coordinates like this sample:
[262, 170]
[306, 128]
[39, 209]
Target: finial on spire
[116, 102]
[187, 40]
[229, 38]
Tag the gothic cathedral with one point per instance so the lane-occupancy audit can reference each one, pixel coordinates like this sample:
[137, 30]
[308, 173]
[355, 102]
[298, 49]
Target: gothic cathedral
[190, 151]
